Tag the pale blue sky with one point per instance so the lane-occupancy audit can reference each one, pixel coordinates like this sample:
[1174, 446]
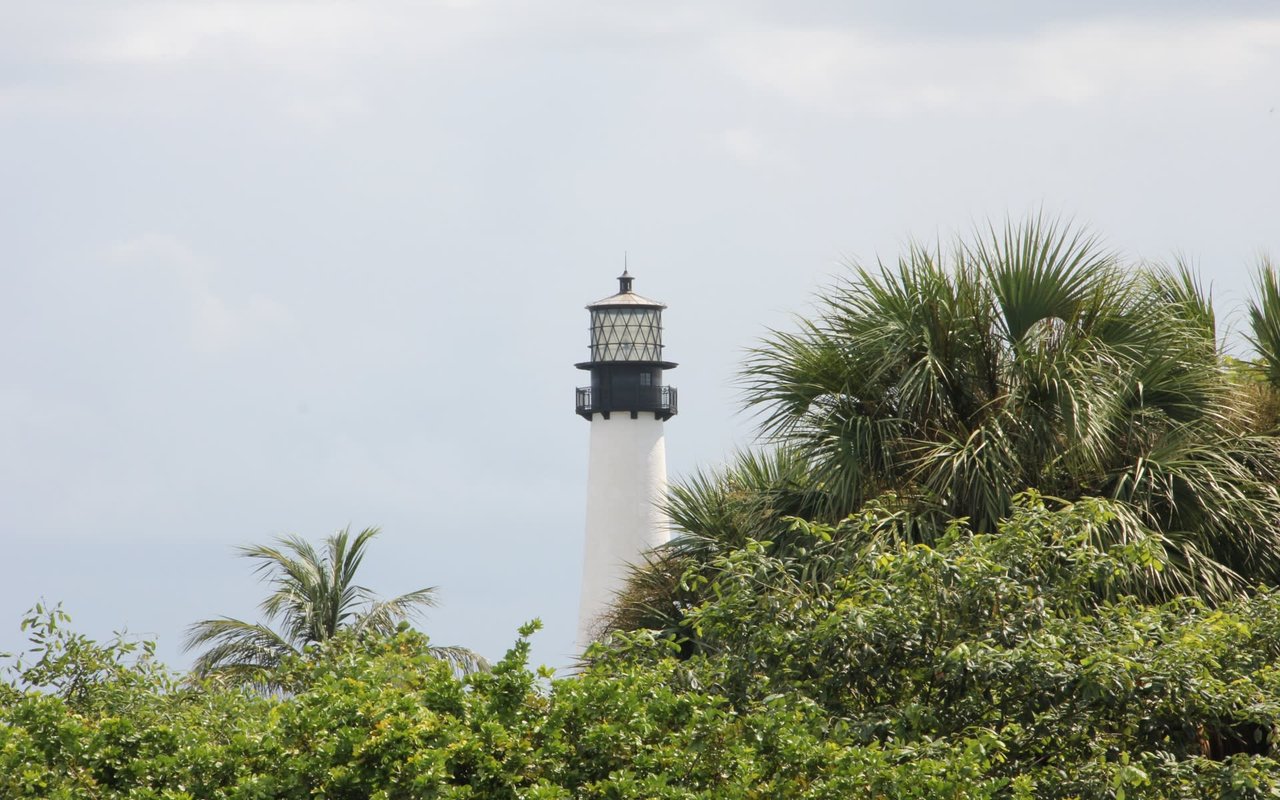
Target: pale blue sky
[272, 267]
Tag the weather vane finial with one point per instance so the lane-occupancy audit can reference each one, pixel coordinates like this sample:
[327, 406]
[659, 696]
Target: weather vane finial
[624, 280]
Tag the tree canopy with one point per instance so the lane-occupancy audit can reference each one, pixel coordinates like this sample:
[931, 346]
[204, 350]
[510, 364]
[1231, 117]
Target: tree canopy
[988, 665]
[1030, 357]
[1022, 357]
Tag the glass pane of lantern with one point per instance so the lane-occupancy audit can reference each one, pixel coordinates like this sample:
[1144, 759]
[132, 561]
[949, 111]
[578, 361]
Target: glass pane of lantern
[626, 334]
[620, 335]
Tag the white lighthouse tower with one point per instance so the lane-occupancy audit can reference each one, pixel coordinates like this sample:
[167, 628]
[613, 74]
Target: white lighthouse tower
[627, 404]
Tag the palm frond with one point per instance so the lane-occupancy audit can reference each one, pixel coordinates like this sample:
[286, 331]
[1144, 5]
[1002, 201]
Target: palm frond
[382, 616]
[462, 660]
[235, 647]
[1264, 321]
[1039, 270]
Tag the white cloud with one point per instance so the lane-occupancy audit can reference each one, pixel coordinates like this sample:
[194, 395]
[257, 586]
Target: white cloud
[849, 71]
[158, 249]
[312, 36]
[743, 144]
[216, 323]
[172, 31]
[313, 60]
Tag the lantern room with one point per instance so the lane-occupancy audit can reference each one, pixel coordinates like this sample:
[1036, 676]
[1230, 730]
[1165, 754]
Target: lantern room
[626, 357]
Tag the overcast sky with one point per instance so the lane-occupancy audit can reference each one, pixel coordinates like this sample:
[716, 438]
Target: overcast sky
[281, 267]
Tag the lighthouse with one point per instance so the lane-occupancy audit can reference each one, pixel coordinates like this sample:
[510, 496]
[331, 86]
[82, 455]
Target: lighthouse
[626, 404]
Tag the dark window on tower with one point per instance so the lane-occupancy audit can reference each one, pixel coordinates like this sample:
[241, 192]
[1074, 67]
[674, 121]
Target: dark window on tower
[646, 379]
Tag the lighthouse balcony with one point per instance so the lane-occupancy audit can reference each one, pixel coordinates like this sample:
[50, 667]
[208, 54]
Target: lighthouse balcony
[658, 400]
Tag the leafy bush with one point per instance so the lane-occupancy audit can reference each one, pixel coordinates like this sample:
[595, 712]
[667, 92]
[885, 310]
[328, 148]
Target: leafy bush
[1011, 648]
[846, 665]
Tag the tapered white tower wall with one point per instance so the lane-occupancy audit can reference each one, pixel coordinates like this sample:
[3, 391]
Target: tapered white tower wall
[626, 481]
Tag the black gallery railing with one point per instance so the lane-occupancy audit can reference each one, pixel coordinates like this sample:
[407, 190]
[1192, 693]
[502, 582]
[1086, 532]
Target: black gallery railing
[660, 399]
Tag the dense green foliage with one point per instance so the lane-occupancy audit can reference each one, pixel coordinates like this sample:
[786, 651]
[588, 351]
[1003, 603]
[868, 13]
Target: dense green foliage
[856, 667]
[313, 597]
[1021, 358]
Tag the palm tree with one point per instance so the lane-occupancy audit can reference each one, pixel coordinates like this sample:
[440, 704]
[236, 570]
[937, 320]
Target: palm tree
[313, 597]
[1026, 357]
